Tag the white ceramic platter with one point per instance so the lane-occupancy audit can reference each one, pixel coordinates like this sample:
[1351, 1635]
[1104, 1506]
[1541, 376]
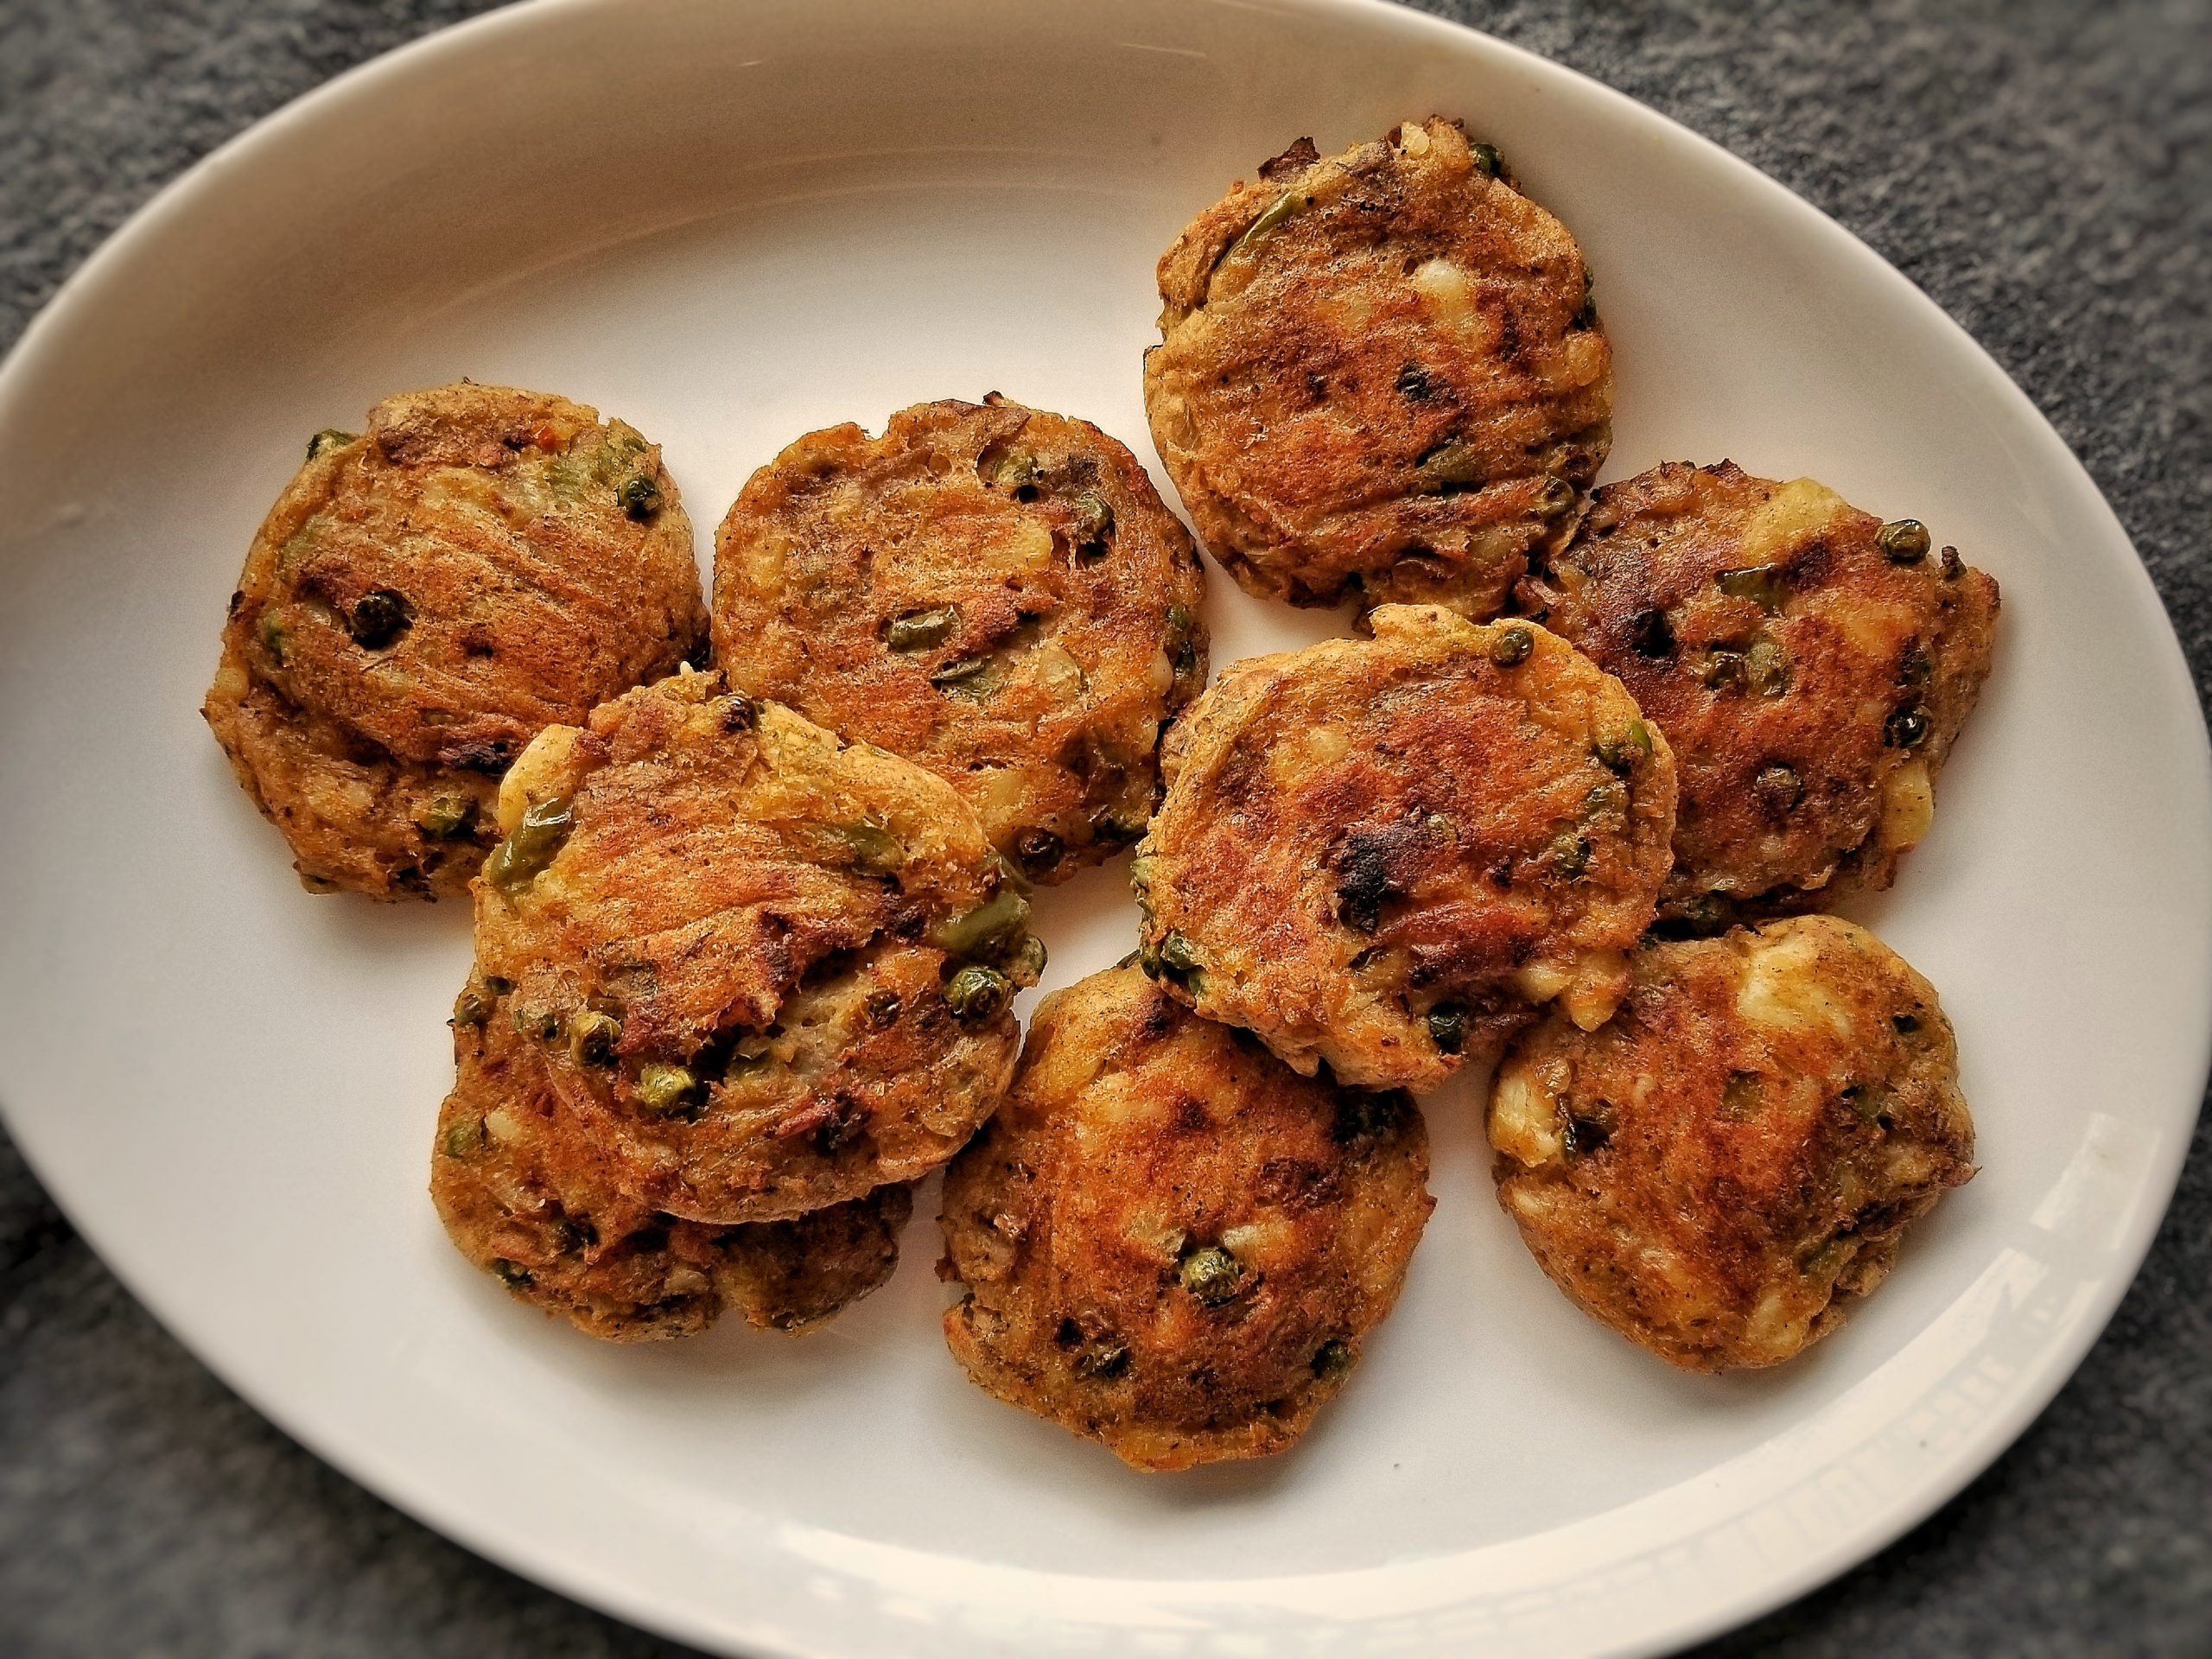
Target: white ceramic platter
[729, 224]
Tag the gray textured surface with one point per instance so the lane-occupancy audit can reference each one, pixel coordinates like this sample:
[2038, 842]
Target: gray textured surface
[2042, 171]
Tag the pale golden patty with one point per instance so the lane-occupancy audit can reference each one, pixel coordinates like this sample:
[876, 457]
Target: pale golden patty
[519, 1205]
[423, 599]
[768, 971]
[1717, 1170]
[1387, 854]
[995, 593]
[1810, 664]
[1382, 376]
[1170, 1242]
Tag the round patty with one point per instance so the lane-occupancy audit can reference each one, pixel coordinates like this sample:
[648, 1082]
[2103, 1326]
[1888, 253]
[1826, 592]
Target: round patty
[1741, 1148]
[768, 971]
[1381, 375]
[1170, 1242]
[996, 593]
[1385, 854]
[424, 598]
[1810, 664]
[612, 1266]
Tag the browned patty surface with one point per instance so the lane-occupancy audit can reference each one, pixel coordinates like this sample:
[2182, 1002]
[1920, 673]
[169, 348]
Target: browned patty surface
[995, 593]
[1810, 665]
[1170, 1242]
[1381, 375]
[1716, 1171]
[1387, 854]
[421, 600]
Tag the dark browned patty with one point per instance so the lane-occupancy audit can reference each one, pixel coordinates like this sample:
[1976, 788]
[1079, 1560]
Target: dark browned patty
[1810, 665]
[1739, 1150]
[423, 599]
[1388, 854]
[768, 971]
[519, 1208]
[1382, 376]
[1170, 1242]
[995, 593]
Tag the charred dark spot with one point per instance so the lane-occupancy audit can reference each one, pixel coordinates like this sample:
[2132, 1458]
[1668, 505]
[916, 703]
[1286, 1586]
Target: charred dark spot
[492, 756]
[1371, 867]
[1295, 1183]
[841, 1125]
[1915, 667]
[738, 713]
[1191, 1116]
[1364, 1115]
[1585, 1135]
[1413, 383]
[1292, 161]
[1650, 633]
[883, 1008]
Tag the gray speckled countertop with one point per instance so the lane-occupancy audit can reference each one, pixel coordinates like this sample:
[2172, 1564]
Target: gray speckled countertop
[2042, 168]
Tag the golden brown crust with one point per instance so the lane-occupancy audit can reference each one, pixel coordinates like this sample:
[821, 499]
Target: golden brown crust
[1139, 1140]
[1810, 682]
[1741, 1148]
[420, 601]
[612, 1266]
[720, 887]
[1380, 376]
[996, 593]
[1385, 854]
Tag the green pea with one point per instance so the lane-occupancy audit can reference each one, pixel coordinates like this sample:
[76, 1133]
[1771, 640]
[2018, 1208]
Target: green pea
[1588, 314]
[974, 677]
[531, 1021]
[1210, 1274]
[1721, 669]
[1555, 499]
[1179, 955]
[537, 841]
[476, 1003]
[1038, 849]
[870, 846]
[1487, 160]
[664, 1089]
[1091, 520]
[1903, 541]
[1778, 787]
[919, 630]
[592, 1037]
[1766, 667]
[640, 496]
[1509, 647]
[1102, 1359]
[1764, 585]
[443, 816]
[271, 635]
[1331, 1359]
[1118, 826]
[976, 993]
[990, 923]
[1018, 474]
[329, 439]
[1447, 1027]
[1454, 465]
[379, 617]
[1907, 728]
[1571, 855]
[1029, 957]
[569, 1236]
[1283, 208]
[512, 1274]
[1868, 1101]
[1619, 751]
[463, 1136]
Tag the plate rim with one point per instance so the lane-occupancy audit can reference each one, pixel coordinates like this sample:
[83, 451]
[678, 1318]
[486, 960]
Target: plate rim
[568, 1571]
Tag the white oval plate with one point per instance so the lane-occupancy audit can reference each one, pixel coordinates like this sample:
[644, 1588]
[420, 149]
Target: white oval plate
[730, 225]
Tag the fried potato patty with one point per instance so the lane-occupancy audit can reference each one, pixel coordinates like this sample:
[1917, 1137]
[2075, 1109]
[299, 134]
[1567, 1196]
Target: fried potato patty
[1170, 1242]
[611, 1265]
[1381, 375]
[1739, 1150]
[1385, 854]
[768, 971]
[995, 593]
[1810, 664]
[421, 600]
